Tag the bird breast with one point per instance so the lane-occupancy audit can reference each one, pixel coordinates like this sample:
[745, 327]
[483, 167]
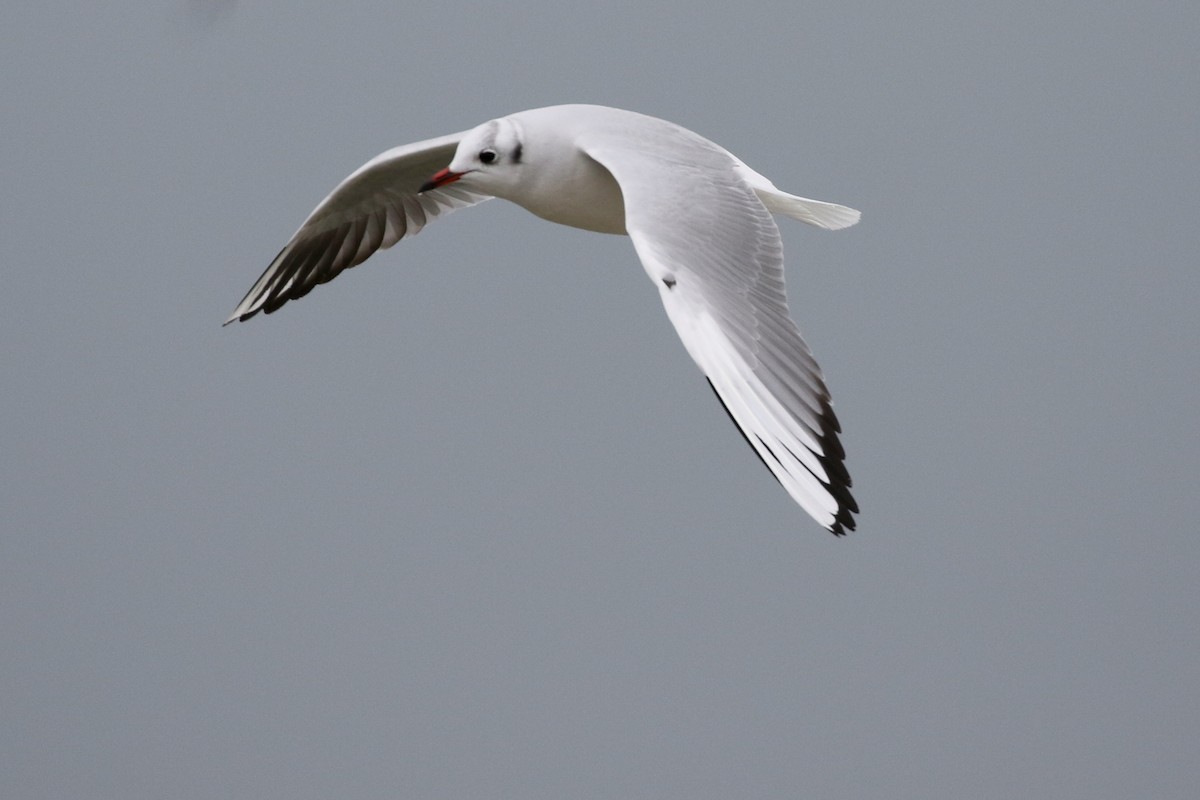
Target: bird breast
[578, 192]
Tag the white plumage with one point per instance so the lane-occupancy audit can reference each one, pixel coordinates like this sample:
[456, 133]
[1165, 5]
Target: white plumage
[700, 221]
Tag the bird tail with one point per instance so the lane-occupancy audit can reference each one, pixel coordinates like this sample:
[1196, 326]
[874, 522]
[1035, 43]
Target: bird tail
[829, 216]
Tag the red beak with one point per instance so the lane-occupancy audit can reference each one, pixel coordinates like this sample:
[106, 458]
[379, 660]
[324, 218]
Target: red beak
[440, 178]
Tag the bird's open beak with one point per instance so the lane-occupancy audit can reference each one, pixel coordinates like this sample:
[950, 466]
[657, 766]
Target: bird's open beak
[440, 178]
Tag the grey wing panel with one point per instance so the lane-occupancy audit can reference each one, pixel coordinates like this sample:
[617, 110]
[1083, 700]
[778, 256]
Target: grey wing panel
[372, 209]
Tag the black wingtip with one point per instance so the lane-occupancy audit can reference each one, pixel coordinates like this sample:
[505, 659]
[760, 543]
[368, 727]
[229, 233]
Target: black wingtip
[835, 467]
[833, 461]
[843, 522]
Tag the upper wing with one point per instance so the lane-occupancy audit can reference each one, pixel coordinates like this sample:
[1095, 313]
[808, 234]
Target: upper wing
[377, 206]
[715, 253]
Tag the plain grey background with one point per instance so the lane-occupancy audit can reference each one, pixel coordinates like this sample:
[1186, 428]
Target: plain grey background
[468, 523]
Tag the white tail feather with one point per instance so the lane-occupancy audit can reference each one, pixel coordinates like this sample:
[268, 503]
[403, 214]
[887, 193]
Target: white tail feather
[830, 216]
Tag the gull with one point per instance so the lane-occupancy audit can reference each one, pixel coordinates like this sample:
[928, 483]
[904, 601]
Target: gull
[700, 221]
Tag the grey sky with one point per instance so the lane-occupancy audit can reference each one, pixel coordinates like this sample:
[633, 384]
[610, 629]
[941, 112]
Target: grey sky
[467, 522]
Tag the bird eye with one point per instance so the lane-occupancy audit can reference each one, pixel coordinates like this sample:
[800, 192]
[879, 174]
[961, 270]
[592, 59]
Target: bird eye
[487, 156]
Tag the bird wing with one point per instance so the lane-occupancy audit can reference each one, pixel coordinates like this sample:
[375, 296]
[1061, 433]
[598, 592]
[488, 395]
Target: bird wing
[372, 209]
[715, 253]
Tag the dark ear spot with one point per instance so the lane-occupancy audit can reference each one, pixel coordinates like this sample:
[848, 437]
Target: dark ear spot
[668, 281]
[516, 157]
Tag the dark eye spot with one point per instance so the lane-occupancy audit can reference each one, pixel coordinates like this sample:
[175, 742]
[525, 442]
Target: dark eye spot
[487, 156]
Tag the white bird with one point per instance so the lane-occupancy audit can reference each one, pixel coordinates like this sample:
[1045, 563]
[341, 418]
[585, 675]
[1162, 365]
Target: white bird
[700, 221]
